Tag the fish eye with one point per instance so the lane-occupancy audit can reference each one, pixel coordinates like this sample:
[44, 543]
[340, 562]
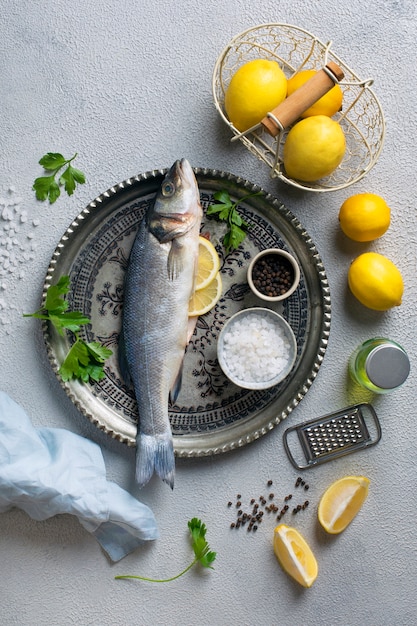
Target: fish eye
[168, 188]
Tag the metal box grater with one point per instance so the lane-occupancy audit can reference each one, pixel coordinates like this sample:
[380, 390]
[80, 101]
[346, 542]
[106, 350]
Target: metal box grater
[333, 435]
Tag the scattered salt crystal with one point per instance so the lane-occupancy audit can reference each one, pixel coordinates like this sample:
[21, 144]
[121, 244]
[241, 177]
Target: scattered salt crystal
[17, 247]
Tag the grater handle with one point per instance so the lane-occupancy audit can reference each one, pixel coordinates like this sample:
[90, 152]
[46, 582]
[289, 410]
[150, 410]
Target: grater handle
[288, 450]
[300, 100]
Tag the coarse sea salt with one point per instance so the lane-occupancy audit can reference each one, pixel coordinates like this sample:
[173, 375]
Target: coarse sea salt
[256, 349]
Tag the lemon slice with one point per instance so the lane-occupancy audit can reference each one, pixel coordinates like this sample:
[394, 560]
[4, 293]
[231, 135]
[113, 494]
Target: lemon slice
[208, 263]
[341, 502]
[295, 555]
[204, 299]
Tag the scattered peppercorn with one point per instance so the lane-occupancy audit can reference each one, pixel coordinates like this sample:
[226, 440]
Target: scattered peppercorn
[254, 516]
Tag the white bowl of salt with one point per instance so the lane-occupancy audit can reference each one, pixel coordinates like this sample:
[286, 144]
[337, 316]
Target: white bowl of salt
[256, 348]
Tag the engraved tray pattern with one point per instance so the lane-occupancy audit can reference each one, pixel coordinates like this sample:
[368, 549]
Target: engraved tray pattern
[211, 415]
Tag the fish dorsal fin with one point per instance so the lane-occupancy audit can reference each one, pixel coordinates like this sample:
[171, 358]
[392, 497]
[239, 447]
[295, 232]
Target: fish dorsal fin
[123, 366]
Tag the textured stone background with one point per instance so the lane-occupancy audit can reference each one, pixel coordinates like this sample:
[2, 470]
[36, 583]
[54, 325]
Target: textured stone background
[128, 86]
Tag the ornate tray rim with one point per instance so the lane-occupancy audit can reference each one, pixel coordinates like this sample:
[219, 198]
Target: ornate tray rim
[232, 437]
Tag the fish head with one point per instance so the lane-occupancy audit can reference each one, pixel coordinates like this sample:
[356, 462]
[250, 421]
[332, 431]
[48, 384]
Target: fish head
[179, 197]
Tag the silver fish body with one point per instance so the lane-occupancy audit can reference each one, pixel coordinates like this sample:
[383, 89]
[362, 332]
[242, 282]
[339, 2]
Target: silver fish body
[159, 282]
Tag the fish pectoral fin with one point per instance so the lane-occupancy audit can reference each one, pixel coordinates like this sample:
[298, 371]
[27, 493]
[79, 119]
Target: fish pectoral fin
[176, 387]
[176, 258]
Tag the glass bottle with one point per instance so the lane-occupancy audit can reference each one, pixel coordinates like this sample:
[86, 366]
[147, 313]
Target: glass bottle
[380, 365]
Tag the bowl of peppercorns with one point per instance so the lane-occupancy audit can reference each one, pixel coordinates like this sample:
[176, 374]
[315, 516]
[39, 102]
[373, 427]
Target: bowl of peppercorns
[273, 274]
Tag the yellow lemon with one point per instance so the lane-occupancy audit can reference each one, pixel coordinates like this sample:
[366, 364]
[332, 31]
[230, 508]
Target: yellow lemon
[364, 217]
[375, 281]
[341, 502]
[255, 89]
[295, 555]
[208, 263]
[328, 104]
[313, 149]
[203, 300]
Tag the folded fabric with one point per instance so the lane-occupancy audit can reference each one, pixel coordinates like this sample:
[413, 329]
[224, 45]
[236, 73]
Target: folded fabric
[47, 471]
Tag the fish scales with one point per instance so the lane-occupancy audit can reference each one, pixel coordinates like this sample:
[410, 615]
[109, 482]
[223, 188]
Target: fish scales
[159, 282]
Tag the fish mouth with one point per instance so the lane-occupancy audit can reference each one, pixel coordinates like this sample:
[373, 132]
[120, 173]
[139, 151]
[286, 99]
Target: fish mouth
[182, 173]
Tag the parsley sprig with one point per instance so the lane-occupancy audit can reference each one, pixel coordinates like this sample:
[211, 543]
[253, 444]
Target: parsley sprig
[47, 187]
[84, 360]
[202, 553]
[226, 210]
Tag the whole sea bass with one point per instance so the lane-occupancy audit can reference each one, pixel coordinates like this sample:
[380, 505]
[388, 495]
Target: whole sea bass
[159, 282]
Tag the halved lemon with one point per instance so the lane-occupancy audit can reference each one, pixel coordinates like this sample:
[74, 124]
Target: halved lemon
[341, 502]
[208, 263]
[295, 555]
[204, 299]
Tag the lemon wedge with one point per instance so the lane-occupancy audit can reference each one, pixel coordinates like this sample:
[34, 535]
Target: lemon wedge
[295, 555]
[341, 502]
[208, 263]
[204, 299]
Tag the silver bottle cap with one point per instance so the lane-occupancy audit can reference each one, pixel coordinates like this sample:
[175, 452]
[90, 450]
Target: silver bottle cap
[387, 366]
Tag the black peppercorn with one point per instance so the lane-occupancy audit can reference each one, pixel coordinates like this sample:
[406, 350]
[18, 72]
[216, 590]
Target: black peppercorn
[272, 275]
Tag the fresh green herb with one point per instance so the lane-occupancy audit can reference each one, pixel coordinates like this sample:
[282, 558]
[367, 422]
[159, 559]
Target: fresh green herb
[46, 187]
[84, 360]
[202, 553]
[226, 210]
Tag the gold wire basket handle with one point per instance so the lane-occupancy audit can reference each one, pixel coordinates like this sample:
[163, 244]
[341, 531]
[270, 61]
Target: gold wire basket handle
[296, 49]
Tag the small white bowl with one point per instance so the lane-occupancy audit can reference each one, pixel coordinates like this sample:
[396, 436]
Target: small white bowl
[256, 348]
[287, 260]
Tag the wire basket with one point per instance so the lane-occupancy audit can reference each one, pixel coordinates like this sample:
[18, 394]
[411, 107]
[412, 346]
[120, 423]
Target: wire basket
[295, 49]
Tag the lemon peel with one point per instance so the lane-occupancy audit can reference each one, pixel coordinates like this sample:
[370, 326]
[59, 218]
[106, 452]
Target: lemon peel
[295, 555]
[255, 89]
[341, 502]
[314, 148]
[329, 104]
[375, 281]
[364, 217]
[203, 300]
[208, 263]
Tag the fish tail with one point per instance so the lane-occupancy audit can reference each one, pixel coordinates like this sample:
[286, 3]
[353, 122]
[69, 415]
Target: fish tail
[155, 454]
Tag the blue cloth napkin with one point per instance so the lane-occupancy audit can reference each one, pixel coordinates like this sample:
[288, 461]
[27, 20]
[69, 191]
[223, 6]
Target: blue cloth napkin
[47, 471]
